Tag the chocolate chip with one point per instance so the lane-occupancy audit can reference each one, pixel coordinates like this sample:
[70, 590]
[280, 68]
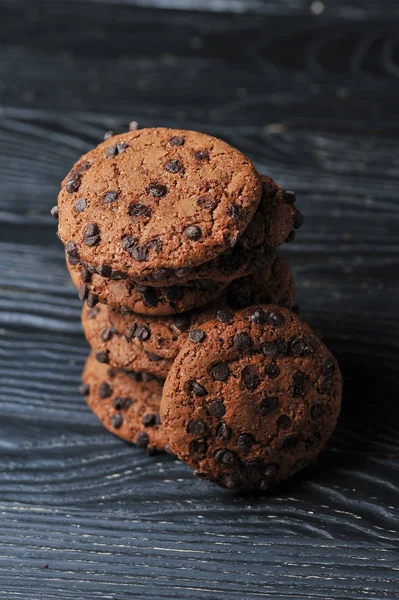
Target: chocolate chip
[104, 271]
[142, 439]
[268, 405]
[80, 205]
[155, 244]
[270, 349]
[102, 357]
[197, 336]
[116, 421]
[329, 365]
[193, 387]
[104, 390]
[183, 272]
[301, 346]
[284, 422]
[110, 196]
[230, 482]
[176, 141]
[289, 442]
[299, 385]
[254, 466]
[111, 151]
[234, 211]
[250, 377]
[206, 202]
[84, 389]
[121, 147]
[216, 408]
[173, 166]
[72, 250]
[193, 232]
[242, 341]
[326, 383]
[225, 457]
[289, 197]
[157, 190]
[73, 183]
[92, 313]
[174, 293]
[154, 357]
[108, 333]
[128, 243]
[197, 427]
[54, 212]
[313, 441]
[223, 432]
[201, 154]
[220, 371]
[290, 237]
[139, 252]
[83, 291]
[245, 441]
[224, 316]
[182, 322]
[139, 210]
[258, 316]
[142, 333]
[92, 235]
[275, 319]
[133, 126]
[148, 420]
[92, 299]
[108, 135]
[124, 310]
[272, 371]
[160, 274]
[198, 447]
[151, 297]
[317, 411]
[298, 219]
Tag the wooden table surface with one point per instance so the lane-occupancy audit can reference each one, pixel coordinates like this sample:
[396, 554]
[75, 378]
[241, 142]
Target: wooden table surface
[310, 91]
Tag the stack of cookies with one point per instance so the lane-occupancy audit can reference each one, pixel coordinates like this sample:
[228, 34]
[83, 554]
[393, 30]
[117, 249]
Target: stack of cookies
[171, 237]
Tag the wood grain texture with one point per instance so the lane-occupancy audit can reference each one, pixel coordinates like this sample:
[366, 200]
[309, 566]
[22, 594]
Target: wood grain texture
[314, 101]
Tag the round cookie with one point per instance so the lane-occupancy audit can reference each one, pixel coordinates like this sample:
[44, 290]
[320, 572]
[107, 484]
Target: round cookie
[126, 404]
[164, 336]
[114, 346]
[274, 223]
[156, 198]
[252, 401]
[141, 299]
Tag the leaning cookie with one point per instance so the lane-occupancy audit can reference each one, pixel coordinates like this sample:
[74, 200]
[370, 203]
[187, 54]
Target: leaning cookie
[274, 223]
[111, 346]
[252, 400]
[161, 338]
[127, 404]
[139, 298]
[157, 198]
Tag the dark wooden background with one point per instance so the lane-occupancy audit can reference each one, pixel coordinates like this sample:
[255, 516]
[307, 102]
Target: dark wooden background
[310, 91]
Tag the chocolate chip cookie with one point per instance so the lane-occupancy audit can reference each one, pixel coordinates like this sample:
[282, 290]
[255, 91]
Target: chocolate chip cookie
[162, 337]
[127, 404]
[156, 198]
[113, 345]
[138, 298]
[252, 399]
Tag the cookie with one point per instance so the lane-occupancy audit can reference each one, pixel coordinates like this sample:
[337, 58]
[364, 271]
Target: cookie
[113, 345]
[127, 404]
[273, 224]
[156, 198]
[142, 299]
[163, 336]
[253, 401]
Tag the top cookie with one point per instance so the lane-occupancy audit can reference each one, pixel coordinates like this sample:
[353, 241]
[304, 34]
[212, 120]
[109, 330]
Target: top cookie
[157, 198]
